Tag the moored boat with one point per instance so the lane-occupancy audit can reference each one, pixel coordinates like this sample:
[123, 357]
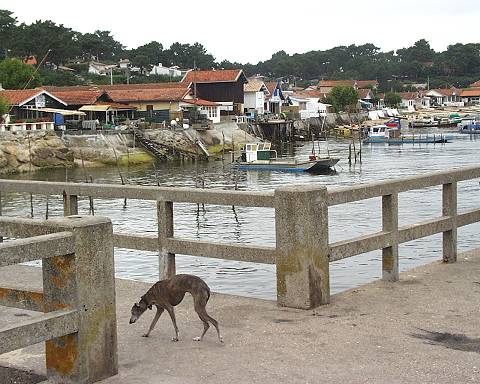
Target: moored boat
[260, 156]
[391, 135]
[472, 127]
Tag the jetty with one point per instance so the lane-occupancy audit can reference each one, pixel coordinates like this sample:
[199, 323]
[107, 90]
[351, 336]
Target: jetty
[413, 327]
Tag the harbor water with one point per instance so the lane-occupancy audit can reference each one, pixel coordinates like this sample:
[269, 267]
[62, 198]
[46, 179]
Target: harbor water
[243, 225]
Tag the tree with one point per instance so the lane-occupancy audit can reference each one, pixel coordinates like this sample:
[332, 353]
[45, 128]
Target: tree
[41, 37]
[16, 75]
[392, 99]
[7, 30]
[100, 46]
[4, 107]
[343, 98]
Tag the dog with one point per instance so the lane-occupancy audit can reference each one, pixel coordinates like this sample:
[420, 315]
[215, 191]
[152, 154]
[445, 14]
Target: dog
[166, 294]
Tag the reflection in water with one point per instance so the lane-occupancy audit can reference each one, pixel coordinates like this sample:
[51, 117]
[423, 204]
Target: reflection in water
[245, 225]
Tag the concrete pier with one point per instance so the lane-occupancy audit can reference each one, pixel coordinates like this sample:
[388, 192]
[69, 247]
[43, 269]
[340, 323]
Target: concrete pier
[421, 329]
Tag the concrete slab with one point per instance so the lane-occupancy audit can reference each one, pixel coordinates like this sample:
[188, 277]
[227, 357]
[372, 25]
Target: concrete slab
[422, 329]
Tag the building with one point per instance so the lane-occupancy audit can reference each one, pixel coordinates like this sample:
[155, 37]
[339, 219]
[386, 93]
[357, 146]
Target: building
[326, 86]
[154, 104]
[97, 68]
[275, 99]
[34, 109]
[208, 108]
[445, 97]
[255, 92]
[470, 95]
[223, 86]
[171, 72]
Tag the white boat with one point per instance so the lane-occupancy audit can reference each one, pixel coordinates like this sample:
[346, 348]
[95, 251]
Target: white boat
[260, 156]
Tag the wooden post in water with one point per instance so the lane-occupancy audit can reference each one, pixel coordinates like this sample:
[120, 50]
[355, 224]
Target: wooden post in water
[350, 154]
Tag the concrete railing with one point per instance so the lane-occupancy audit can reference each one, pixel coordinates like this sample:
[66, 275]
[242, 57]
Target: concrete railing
[79, 323]
[303, 252]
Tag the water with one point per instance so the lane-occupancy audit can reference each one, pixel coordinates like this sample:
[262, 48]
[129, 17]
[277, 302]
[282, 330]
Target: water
[256, 225]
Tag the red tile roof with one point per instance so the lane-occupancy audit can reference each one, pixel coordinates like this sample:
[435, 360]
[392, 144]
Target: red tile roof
[220, 76]
[363, 93]
[335, 83]
[470, 92]
[141, 86]
[360, 84]
[137, 95]
[78, 97]
[20, 96]
[201, 102]
[408, 95]
[365, 83]
[448, 91]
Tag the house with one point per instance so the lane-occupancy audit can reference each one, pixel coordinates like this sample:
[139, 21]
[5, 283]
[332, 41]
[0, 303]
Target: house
[154, 104]
[171, 72]
[209, 108]
[326, 86]
[97, 68]
[33, 109]
[470, 95]
[255, 92]
[124, 64]
[409, 100]
[275, 98]
[224, 86]
[445, 97]
[309, 103]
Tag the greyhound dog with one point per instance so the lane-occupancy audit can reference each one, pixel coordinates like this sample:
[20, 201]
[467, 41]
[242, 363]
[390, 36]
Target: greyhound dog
[166, 294]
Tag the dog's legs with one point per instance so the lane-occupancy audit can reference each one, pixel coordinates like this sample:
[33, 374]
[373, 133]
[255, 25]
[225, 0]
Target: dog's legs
[154, 321]
[174, 321]
[204, 316]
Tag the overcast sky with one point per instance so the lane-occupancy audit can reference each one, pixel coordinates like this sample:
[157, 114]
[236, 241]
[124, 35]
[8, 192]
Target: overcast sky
[252, 30]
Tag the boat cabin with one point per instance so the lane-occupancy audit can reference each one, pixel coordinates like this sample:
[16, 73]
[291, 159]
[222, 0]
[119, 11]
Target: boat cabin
[383, 131]
[258, 151]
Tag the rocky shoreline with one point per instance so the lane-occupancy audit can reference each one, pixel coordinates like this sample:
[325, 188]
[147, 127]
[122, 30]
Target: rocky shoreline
[27, 152]
[30, 151]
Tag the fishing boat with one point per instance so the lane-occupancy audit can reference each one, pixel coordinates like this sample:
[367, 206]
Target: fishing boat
[392, 135]
[260, 156]
[472, 127]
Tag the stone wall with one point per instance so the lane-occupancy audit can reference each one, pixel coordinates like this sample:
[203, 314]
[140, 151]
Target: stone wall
[29, 151]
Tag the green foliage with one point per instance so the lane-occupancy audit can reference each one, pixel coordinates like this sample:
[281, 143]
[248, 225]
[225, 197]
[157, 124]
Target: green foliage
[392, 99]
[100, 46]
[141, 79]
[59, 78]
[7, 32]
[4, 107]
[15, 75]
[343, 98]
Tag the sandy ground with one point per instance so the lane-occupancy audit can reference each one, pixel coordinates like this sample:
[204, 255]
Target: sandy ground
[422, 329]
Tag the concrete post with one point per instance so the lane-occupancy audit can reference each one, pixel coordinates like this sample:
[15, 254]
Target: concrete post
[166, 261]
[84, 281]
[390, 224]
[449, 197]
[70, 205]
[301, 220]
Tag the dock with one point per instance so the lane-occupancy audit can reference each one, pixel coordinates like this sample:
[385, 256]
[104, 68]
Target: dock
[421, 329]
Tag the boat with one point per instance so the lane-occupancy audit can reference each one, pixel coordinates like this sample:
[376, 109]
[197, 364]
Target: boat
[472, 127]
[423, 123]
[260, 156]
[392, 135]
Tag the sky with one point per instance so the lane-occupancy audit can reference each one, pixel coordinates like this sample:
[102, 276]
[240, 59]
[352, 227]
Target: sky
[252, 30]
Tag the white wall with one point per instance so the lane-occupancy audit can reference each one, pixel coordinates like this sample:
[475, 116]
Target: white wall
[254, 100]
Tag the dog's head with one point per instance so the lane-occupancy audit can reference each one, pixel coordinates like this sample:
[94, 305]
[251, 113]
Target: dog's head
[138, 309]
